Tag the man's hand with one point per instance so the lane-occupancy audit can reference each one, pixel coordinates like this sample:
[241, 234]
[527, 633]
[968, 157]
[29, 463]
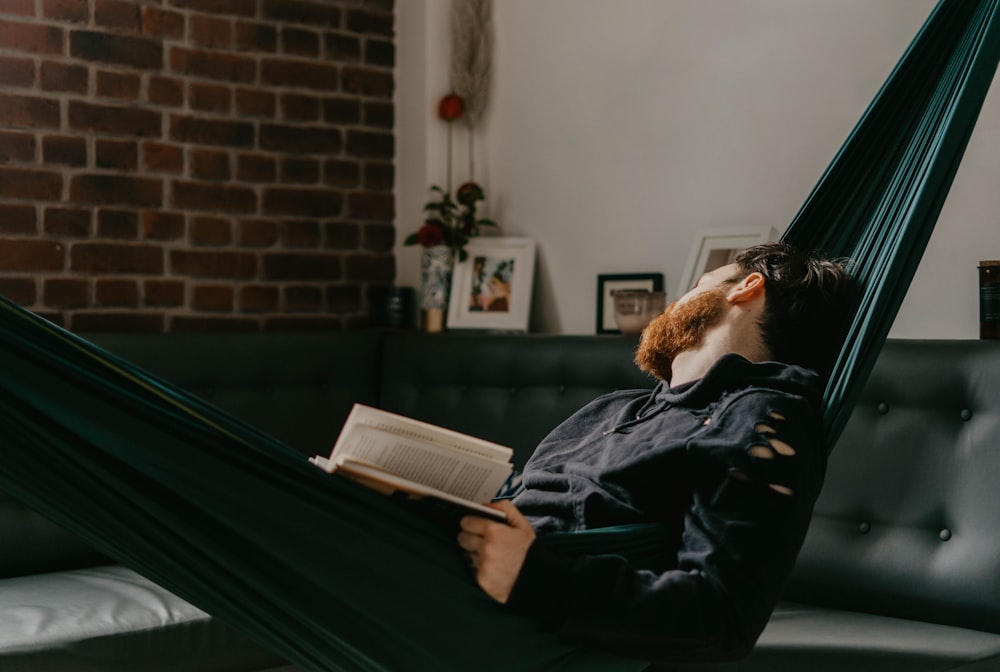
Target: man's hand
[496, 550]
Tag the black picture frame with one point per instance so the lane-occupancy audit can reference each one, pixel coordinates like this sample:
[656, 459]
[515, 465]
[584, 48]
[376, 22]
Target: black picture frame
[609, 283]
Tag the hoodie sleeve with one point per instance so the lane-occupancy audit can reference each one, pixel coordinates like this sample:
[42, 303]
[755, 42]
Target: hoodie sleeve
[756, 471]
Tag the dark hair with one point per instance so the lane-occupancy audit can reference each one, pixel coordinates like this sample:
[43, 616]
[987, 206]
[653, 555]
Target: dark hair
[810, 300]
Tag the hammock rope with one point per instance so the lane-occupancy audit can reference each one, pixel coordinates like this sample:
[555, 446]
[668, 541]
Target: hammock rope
[291, 556]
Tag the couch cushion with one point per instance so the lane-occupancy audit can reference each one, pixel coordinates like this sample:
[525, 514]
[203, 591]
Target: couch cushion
[803, 638]
[509, 389]
[296, 386]
[33, 544]
[907, 524]
[110, 619]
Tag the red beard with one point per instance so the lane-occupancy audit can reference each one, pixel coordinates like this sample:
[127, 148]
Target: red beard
[680, 327]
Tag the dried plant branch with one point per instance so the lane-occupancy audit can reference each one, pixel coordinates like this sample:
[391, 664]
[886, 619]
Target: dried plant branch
[472, 55]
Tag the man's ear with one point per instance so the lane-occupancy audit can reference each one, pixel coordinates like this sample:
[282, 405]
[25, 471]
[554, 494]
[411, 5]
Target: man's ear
[749, 288]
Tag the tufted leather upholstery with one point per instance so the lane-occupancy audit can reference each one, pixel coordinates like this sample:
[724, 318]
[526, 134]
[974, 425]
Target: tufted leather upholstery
[297, 387]
[509, 389]
[908, 524]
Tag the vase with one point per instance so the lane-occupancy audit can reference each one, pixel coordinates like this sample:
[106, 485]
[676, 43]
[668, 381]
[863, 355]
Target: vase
[436, 265]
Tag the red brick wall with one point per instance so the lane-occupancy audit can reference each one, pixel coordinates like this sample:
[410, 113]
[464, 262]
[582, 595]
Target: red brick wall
[171, 165]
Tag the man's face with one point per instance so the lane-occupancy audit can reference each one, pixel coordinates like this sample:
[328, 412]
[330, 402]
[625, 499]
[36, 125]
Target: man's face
[711, 280]
[683, 324]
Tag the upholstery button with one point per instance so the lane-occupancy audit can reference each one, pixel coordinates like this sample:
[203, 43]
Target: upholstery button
[562, 389]
[512, 390]
[966, 414]
[944, 534]
[883, 408]
[865, 527]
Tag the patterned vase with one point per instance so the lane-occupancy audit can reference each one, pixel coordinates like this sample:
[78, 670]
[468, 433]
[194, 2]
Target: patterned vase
[436, 264]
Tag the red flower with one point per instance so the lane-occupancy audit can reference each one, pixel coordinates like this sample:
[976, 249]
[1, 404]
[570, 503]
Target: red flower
[469, 193]
[451, 107]
[430, 235]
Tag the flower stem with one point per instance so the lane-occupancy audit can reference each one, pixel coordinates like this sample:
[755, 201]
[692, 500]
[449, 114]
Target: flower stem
[448, 183]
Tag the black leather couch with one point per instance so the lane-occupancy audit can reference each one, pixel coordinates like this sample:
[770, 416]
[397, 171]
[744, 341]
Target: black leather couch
[900, 571]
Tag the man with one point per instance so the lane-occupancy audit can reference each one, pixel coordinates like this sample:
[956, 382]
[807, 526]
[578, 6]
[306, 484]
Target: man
[727, 453]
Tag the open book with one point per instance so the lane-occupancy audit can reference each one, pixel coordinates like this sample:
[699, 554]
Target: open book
[395, 454]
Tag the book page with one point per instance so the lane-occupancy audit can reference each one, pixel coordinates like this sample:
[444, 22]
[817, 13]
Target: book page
[423, 431]
[387, 483]
[440, 467]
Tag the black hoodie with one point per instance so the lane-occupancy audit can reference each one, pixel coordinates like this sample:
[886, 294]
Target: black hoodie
[729, 465]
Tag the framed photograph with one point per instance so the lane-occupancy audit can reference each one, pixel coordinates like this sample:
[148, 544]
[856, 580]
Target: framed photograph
[608, 284]
[716, 247]
[491, 289]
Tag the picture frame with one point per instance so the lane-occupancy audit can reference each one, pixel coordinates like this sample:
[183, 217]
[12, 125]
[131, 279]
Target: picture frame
[609, 283]
[717, 246]
[491, 289]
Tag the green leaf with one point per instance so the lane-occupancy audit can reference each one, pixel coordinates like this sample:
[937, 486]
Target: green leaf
[486, 222]
[411, 239]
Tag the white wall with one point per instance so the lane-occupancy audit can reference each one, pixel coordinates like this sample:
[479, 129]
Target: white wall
[620, 128]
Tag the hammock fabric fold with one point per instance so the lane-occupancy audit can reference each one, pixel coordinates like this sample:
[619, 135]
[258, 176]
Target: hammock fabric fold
[334, 577]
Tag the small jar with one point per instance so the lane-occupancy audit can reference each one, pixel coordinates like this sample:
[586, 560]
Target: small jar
[989, 299]
[397, 308]
[634, 309]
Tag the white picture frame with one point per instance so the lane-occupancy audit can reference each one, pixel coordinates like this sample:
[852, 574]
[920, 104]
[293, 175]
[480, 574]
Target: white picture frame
[717, 246]
[491, 289]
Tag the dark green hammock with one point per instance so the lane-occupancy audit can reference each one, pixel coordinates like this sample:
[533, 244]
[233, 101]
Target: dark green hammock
[335, 578]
